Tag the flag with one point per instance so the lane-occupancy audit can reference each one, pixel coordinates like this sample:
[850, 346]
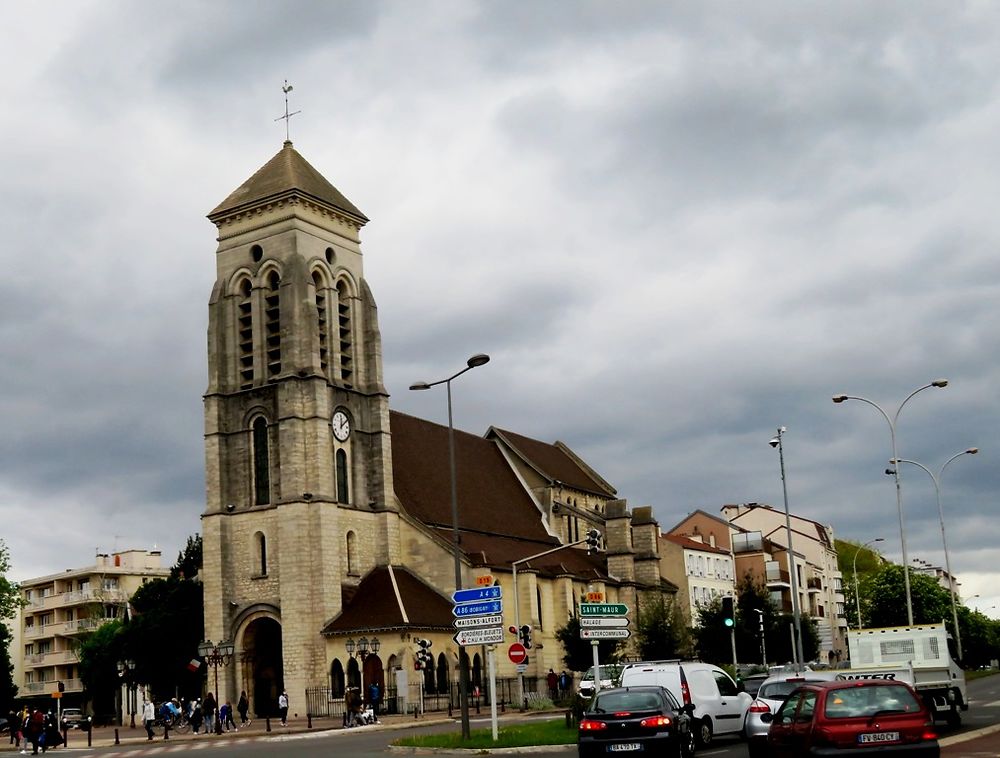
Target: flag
[194, 665]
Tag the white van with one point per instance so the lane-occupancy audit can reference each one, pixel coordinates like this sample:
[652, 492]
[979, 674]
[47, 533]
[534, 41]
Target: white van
[720, 707]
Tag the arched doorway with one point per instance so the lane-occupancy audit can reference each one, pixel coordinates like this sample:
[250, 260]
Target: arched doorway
[337, 682]
[374, 673]
[263, 672]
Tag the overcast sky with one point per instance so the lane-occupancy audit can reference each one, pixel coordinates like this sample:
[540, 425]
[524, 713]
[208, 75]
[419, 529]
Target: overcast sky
[673, 226]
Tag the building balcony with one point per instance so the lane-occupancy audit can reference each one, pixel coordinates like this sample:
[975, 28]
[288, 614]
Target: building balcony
[814, 584]
[37, 688]
[777, 577]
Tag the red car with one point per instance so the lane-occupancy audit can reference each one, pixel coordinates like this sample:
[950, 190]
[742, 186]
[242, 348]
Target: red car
[852, 718]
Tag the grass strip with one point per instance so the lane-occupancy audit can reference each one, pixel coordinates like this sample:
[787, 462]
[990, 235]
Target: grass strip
[548, 732]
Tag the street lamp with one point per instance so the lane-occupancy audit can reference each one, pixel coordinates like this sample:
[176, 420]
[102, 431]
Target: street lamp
[944, 539]
[854, 573]
[478, 359]
[778, 443]
[895, 472]
[126, 672]
[216, 655]
[364, 648]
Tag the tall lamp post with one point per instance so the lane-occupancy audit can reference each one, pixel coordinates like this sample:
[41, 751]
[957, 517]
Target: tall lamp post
[463, 665]
[944, 540]
[854, 573]
[899, 493]
[126, 672]
[216, 655]
[799, 654]
[364, 648]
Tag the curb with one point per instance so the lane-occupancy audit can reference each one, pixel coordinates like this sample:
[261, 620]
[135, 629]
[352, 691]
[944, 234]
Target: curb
[406, 750]
[955, 739]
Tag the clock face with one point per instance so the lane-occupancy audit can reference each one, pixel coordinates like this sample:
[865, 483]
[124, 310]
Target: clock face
[341, 426]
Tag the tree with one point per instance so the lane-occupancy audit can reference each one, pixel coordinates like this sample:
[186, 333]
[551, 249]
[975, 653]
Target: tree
[10, 593]
[8, 690]
[99, 653]
[188, 560]
[579, 654]
[883, 599]
[660, 630]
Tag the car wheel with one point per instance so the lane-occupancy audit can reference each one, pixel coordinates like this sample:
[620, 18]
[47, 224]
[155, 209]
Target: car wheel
[704, 735]
[687, 745]
[954, 718]
[755, 749]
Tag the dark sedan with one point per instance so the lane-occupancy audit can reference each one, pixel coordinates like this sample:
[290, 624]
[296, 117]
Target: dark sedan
[643, 720]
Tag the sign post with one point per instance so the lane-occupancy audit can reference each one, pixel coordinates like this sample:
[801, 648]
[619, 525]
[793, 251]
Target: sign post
[491, 656]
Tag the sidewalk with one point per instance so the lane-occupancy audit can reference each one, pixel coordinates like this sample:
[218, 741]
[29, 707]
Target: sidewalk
[105, 735]
[981, 742]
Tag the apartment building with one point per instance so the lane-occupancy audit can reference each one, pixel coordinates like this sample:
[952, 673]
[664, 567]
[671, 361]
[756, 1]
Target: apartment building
[63, 607]
[695, 554]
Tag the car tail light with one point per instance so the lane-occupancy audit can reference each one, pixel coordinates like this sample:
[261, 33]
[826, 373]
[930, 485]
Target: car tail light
[929, 733]
[656, 721]
[685, 690]
[592, 726]
[759, 707]
[623, 714]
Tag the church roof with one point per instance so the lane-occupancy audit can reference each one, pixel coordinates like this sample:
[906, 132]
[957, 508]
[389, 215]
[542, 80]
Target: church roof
[285, 175]
[491, 498]
[376, 605]
[556, 462]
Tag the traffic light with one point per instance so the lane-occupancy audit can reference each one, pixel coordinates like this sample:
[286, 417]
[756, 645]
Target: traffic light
[728, 613]
[524, 634]
[593, 540]
[61, 686]
[422, 655]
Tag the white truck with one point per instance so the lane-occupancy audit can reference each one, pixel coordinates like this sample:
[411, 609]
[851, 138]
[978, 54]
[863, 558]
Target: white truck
[924, 650]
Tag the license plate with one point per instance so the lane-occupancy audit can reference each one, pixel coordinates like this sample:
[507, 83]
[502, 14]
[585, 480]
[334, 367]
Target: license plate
[866, 739]
[624, 747]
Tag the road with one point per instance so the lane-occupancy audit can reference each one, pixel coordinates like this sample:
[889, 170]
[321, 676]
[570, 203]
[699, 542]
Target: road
[364, 743]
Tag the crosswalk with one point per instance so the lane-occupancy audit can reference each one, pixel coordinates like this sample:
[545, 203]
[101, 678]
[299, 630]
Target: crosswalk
[187, 746]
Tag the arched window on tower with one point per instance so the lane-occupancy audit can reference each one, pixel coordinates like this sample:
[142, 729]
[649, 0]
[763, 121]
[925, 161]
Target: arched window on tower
[342, 477]
[261, 462]
[272, 323]
[353, 673]
[442, 674]
[323, 322]
[244, 318]
[346, 339]
[352, 555]
[260, 554]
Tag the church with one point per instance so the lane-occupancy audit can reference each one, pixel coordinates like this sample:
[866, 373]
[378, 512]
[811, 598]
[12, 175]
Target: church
[328, 530]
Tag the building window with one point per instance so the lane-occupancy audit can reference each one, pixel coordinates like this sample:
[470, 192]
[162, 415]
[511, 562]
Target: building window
[352, 568]
[323, 323]
[342, 490]
[538, 603]
[261, 463]
[272, 323]
[244, 329]
[337, 679]
[260, 550]
[346, 346]
[442, 674]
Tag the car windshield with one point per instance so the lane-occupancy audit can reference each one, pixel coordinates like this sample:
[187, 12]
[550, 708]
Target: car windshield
[780, 690]
[627, 700]
[852, 702]
[607, 672]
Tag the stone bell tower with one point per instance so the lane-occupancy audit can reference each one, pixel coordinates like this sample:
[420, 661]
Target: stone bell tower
[297, 453]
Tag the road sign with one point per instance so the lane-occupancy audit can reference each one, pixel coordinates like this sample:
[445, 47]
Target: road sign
[517, 653]
[603, 609]
[595, 597]
[476, 594]
[489, 635]
[472, 621]
[484, 581]
[603, 621]
[605, 634]
[521, 668]
[488, 608]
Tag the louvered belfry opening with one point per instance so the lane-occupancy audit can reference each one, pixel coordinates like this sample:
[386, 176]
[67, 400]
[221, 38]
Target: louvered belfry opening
[272, 324]
[245, 326]
[323, 323]
[344, 325]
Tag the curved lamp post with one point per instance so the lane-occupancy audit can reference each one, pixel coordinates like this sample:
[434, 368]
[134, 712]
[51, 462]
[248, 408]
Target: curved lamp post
[126, 672]
[899, 494]
[944, 540]
[463, 665]
[854, 573]
[216, 655]
[800, 654]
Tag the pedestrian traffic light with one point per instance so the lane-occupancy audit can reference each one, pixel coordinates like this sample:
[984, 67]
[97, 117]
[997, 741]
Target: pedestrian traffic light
[524, 634]
[593, 540]
[422, 655]
[728, 614]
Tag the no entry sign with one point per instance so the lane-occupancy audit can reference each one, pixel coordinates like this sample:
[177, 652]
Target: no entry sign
[517, 653]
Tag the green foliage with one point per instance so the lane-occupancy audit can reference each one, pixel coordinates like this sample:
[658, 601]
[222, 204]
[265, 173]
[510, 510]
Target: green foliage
[660, 630]
[188, 560]
[99, 653]
[980, 638]
[163, 635]
[578, 655]
[868, 562]
[10, 594]
[8, 690]
[883, 598]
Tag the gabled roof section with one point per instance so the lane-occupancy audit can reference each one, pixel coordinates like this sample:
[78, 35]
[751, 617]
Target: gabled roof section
[391, 597]
[701, 512]
[555, 461]
[491, 499]
[690, 544]
[287, 174]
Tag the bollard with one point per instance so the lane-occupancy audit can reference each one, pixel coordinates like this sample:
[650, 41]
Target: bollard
[267, 724]
[477, 706]
[117, 741]
[415, 709]
[503, 706]
[90, 731]
[65, 735]
[309, 721]
[449, 709]
[569, 719]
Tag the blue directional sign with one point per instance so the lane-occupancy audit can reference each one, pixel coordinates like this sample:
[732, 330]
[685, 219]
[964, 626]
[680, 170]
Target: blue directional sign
[485, 608]
[476, 593]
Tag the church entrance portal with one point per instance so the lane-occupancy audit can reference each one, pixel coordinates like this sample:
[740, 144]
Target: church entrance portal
[263, 675]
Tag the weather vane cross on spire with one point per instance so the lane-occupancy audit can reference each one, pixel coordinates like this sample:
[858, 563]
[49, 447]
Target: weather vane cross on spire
[286, 88]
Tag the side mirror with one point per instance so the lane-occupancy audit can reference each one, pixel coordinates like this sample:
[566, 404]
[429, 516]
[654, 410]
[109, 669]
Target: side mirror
[766, 718]
[688, 709]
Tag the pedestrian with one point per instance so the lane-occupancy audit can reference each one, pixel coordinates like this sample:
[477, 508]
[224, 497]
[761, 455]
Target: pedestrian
[374, 694]
[226, 716]
[196, 716]
[14, 724]
[283, 707]
[564, 683]
[348, 707]
[208, 708]
[34, 730]
[552, 680]
[148, 715]
[50, 733]
[243, 707]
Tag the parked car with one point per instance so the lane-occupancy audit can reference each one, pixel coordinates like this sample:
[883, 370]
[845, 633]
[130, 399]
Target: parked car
[636, 719]
[720, 706]
[4, 726]
[853, 716]
[73, 718]
[752, 683]
[610, 676]
[770, 697]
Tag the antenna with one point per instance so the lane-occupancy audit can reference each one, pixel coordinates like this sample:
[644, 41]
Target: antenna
[286, 88]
